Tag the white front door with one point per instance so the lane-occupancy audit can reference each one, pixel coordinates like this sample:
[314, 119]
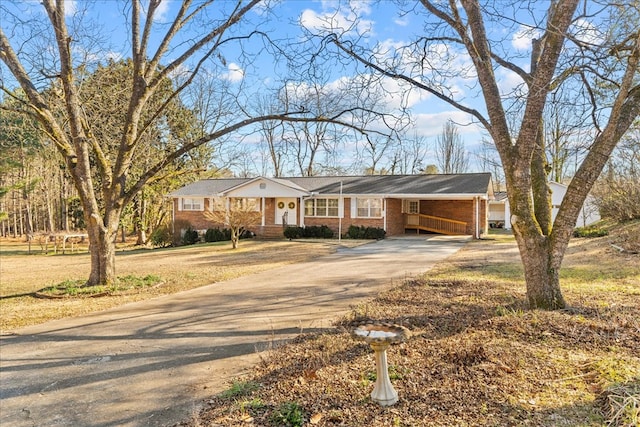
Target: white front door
[286, 211]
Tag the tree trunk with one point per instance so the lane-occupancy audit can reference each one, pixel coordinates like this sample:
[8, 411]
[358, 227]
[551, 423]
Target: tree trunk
[140, 218]
[234, 237]
[103, 255]
[541, 271]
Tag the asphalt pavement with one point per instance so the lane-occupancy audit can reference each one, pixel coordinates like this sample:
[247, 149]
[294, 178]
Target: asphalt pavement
[152, 363]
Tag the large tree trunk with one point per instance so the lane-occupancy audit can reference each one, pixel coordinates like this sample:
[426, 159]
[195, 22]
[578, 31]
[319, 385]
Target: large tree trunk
[541, 271]
[102, 241]
[541, 247]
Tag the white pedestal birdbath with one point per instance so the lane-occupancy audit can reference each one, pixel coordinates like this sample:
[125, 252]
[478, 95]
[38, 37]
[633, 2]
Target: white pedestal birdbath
[380, 336]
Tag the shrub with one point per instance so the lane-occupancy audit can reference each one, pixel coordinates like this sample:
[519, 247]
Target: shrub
[246, 234]
[292, 232]
[618, 197]
[590, 231]
[222, 235]
[217, 235]
[162, 237]
[179, 225]
[312, 231]
[190, 236]
[317, 232]
[362, 232]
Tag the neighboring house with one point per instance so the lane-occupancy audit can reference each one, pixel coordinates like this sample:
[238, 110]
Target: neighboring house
[447, 204]
[500, 216]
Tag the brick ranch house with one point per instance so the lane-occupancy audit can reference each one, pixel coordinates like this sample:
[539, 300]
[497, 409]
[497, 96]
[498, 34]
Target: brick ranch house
[448, 204]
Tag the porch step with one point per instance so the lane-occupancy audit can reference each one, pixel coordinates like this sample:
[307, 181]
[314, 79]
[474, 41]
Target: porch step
[270, 232]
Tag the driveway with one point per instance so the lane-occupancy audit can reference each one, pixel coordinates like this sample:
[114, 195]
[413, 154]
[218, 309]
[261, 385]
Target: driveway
[151, 363]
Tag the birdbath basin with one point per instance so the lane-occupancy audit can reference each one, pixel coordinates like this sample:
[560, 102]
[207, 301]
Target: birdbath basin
[380, 336]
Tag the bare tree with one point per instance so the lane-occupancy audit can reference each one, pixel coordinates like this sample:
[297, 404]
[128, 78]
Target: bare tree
[237, 214]
[451, 154]
[489, 160]
[564, 130]
[617, 192]
[409, 155]
[272, 135]
[594, 52]
[158, 53]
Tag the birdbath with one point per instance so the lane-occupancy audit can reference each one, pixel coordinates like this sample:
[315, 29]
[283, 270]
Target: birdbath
[380, 336]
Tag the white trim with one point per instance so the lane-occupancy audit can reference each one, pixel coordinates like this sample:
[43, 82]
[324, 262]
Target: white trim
[300, 213]
[477, 214]
[384, 214]
[382, 207]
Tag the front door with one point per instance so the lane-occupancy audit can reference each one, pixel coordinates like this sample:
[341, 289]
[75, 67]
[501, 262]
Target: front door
[286, 211]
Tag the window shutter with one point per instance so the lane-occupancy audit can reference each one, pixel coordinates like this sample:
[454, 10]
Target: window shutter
[354, 208]
[179, 203]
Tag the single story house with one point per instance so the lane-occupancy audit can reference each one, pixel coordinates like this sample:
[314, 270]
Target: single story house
[500, 213]
[448, 204]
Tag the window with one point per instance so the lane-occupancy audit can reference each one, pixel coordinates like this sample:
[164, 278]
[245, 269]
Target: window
[321, 207]
[245, 204]
[369, 208]
[191, 204]
[413, 207]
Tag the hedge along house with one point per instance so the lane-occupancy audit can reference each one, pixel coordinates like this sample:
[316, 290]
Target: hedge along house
[448, 204]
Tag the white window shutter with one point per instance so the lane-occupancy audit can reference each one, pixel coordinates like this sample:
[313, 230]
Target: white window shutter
[354, 208]
[179, 203]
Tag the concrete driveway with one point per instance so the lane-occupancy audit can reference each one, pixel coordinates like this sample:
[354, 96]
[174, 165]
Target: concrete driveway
[151, 363]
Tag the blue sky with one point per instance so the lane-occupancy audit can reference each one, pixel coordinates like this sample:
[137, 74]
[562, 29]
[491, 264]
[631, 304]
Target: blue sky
[377, 23]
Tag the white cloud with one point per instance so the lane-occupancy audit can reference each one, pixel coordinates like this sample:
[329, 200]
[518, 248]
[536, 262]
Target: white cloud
[161, 11]
[430, 125]
[402, 22]
[361, 7]
[70, 7]
[333, 19]
[234, 74]
[521, 39]
[508, 81]
[586, 32]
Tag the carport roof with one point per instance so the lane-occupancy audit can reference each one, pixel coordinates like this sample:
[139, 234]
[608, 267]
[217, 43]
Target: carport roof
[389, 185]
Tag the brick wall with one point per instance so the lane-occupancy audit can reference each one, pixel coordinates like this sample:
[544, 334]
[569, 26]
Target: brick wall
[459, 210]
[395, 217]
[270, 211]
[196, 219]
[347, 221]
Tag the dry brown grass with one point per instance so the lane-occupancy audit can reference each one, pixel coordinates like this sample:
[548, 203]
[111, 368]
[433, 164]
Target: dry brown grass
[179, 269]
[477, 355]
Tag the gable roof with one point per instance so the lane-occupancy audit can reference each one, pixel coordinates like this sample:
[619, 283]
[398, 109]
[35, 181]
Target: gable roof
[208, 187]
[471, 184]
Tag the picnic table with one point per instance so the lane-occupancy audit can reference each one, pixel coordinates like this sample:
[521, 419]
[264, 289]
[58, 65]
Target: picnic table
[58, 239]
